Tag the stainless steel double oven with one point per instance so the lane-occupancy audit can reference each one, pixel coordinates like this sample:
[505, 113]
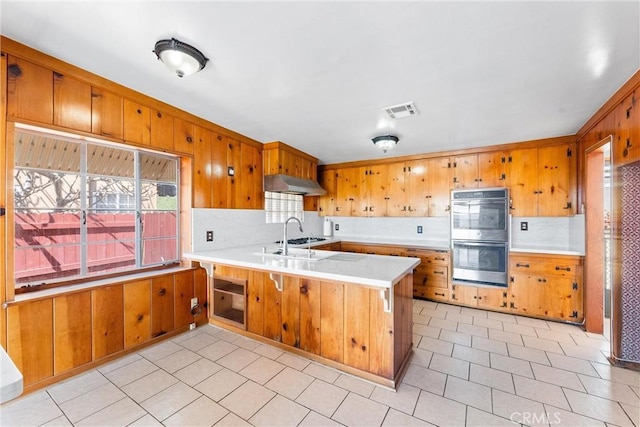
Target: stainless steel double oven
[480, 236]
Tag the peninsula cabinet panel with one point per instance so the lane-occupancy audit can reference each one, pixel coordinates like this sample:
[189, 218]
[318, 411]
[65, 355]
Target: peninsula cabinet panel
[183, 136]
[71, 103]
[161, 131]
[183, 293]
[71, 331]
[107, 111]
[137, 312]
[291, 311]
[310, 315]
[381, 338]
[255, 301]
[626, 145]
[29, 91]
[30, 339]
[356, 333]
[107, 308]
[272, 320]
[137, 123]
[161, 305]
[202, 169]
[332, 311]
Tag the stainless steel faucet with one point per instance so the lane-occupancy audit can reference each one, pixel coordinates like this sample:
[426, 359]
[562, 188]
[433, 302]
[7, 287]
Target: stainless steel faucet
[285, 243]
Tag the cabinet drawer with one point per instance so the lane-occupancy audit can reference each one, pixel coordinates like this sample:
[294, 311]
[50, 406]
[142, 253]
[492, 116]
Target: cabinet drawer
[436, 294]
[429, 256]
[519, 264]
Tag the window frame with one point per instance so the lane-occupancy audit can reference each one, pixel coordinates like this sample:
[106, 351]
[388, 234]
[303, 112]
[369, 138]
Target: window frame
[84, 210]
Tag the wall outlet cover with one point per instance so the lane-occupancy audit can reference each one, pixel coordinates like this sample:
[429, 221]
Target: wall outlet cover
[337, 227]
[209, 235]
[419, 229]
[192, 325]
[524, 226]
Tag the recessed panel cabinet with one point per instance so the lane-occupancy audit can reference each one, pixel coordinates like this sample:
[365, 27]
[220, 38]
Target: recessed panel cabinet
[482, 170]
[626, 142]
[71, 103]
[137, 312]
[107, 113]
[29, 91]
[136, 122]
[71, 331]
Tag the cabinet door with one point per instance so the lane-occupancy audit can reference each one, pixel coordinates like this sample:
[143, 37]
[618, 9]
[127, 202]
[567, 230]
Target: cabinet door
[30, 339]
[161, 131]
[29, 91]
[626, 146]
[439, 186]
[234, 159]
[556, 181]
[255, 301]
[272, 311]
[347, 184]
[327, 203]
[161, 305]
[107, 308]
[291, 311]
[416, 189]
[137, 123]
[332, 322]
[356, 334]
[71, 331]
[310, 315]
[183, 136]
[71, 103]
[137, 312]
[377, 190]
[466, 295]
[492, 298]
[560, 297]
[523, 182]
[219, 171]
[491, 169]
[528, 294]
[465, 171]
[182, 300]
[250, 194]
[200, 291]
[202, 169]
[106, 113]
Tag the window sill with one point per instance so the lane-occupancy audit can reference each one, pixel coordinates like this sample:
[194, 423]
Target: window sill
[91, 284]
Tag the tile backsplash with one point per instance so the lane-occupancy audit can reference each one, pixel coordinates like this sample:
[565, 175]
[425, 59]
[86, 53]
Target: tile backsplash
[433, 229]
[239, 227]
[553, 233]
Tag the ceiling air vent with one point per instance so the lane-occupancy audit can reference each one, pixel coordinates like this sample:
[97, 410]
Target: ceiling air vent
[401, 110]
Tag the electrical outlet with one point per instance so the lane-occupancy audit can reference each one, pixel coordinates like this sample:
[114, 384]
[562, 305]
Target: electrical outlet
[192, 325]
[337, 227]
[194, 302]
[209, 235]
[524, 226]
[419, 229]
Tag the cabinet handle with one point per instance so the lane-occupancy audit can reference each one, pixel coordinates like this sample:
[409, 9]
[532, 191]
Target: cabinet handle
[568, 206]
[438, 272]
[439, 259]
[541, 280]
[440, 295]
[162, 292]
[525, 265]
[558, 268]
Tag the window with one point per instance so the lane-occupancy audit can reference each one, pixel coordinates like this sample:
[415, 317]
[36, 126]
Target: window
[86, 208]
[280, 206]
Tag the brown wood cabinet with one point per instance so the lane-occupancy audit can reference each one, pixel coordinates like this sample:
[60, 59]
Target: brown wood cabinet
[137, 312]
[431, 277]
[542, 181]
[202, 169]
[29, 91]
[71, 331]
[626, 141]
[479, 296]
[183, 136]
[71, 103]
[547, 286]
[482, 170]
[183, 283]
[107, 113]
[162, 296]
[161, 131]
[136, 122]
[327, 203]
[107, 311]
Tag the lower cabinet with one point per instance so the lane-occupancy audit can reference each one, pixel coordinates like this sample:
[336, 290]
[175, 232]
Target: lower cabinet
[479, 296]
[547, 286]
[431, 276]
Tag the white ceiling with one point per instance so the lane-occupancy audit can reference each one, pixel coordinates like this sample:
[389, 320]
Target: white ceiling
[315, 75]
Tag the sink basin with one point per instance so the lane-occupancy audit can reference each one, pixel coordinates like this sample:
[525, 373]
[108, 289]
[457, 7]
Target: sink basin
[299, 254]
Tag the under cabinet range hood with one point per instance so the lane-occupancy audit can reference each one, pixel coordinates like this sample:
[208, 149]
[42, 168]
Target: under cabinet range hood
[293, 185]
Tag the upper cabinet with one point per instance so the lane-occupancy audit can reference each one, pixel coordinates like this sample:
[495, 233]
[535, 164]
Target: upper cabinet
[137, 123]
[29, 91]
[482, 170]
[542, 181]
[183, 136]
[71, 103]
[626, 142]
[107, 113]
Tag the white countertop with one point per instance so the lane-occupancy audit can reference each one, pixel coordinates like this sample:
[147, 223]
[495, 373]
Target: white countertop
[554, 251]
[11, 378]
[369, 270]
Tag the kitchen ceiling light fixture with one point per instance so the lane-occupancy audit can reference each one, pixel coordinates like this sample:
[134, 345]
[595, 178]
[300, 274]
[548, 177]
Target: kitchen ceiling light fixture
[179, 57]
[385, 142]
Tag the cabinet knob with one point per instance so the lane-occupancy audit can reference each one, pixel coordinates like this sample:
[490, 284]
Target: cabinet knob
[139, 111]
[189, 139]
[162, 292]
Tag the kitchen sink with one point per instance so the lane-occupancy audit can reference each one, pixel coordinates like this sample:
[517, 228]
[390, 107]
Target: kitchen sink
[299, 254]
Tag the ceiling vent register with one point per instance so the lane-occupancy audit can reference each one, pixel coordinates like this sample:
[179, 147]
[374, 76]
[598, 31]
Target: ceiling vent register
[401, 110]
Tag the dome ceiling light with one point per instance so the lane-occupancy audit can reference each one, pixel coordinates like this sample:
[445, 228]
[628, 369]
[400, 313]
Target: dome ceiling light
[385, 142]
[179, 57]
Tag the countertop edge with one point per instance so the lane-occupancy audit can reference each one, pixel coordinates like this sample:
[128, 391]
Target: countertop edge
[547, 251]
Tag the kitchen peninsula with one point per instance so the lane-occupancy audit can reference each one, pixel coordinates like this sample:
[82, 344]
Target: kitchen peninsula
[349, 311]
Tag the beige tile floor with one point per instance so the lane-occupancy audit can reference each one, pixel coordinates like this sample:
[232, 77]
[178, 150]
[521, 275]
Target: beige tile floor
[470, 368]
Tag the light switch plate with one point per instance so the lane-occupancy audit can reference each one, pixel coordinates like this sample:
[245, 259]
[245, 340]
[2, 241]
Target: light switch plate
[524, 226]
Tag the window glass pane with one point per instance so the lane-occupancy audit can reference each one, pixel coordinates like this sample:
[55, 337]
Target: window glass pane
[109, 161]
[45, 190]
[158, 196]
[110, 194]
[159, 251]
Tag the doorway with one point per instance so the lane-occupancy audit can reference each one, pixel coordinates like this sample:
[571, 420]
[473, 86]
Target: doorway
[598, 261]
